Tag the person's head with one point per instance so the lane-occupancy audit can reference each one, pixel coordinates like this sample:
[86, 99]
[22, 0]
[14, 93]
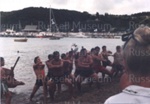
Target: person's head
[37, 60]
[76, 55]
[2, 61]
[56, 55]
[50, 56]
[97, 49]
[83, 52]
[118, 48]
[70, 53]
[63, 56]
[92, 51]
[136, 52]
[104, 48]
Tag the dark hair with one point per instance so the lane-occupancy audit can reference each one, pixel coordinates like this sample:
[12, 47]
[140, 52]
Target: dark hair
[118, 47]
[50, 56]
[92, 49]
[76, 55]
[1, 60]
[103, 47]
[97, 47]
[63, 56]
[55, 53]
[82, 50]
[35, 59]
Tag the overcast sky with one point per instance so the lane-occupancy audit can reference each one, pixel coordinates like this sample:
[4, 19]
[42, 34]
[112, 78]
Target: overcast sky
[91, 6]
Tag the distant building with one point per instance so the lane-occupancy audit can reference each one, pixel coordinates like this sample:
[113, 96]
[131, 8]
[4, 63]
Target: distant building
[31, 28]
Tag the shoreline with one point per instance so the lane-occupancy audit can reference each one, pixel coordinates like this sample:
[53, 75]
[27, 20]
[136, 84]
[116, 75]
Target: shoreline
[89, 95]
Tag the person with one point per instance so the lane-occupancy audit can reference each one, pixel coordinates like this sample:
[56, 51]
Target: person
[118, 61]
[104, 55]
[70, 56]
[50, 58]
[67, 66]
[49, 75]
[39, 71]
[3, 79]
[56, 66]
[97, 59]
[9, 75]
[136, 80]
[85, 70]
[77, 71]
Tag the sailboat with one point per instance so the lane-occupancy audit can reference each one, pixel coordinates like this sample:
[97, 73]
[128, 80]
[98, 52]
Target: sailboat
[52, 22]
[20, 39]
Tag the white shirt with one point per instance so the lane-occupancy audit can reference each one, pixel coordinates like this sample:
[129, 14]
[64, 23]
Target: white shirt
[131, 95]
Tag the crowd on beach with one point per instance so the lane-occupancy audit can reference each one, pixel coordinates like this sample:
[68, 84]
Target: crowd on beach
[88, 64]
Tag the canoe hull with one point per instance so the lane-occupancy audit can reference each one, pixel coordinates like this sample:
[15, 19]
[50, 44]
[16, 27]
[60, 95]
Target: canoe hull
[20, 40]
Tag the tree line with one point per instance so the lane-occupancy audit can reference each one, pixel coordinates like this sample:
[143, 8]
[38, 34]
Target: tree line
[68, 20]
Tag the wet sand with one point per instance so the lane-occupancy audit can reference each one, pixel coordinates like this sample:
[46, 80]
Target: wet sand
[89, 95]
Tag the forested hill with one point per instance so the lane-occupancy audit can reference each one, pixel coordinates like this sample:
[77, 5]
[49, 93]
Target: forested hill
[67, 20]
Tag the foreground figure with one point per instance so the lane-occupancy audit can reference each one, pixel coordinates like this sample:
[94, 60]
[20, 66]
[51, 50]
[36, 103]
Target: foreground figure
[40, 77]
[136, 81]
[7, 81]
[4, 87]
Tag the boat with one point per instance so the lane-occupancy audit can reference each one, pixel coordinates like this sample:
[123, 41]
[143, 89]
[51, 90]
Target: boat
[21, 40]
[54, 38]
[117, 37]
[78, 35]
[52, 35]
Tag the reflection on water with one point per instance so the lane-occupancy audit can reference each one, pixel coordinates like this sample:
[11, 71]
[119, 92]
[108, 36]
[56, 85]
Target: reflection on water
[42, 47]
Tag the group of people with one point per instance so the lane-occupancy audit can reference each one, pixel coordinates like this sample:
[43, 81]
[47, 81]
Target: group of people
[87, 65]
[133, 66]
[60, 67]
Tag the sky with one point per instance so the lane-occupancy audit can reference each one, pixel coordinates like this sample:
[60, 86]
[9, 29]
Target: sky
[91, 6]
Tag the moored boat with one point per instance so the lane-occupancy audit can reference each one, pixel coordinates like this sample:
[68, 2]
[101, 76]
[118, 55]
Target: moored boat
[21, 40]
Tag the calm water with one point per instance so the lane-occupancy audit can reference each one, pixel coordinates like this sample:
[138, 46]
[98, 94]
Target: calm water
[42, 47]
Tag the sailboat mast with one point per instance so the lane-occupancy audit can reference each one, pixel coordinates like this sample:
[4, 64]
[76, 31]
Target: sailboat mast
[50, 25]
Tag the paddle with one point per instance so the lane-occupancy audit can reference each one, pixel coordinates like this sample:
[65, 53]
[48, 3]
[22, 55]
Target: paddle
[12, 68]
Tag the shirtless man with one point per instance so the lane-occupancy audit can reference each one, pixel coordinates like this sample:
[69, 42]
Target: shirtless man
[49, 75]
[67, 63]
[70, 57]
[3, 79]
[50, 58]
[9, 76]
[40, 77]
[105, 55]
[118, 61]
[97, 63]
[84, 66]
[56, 66]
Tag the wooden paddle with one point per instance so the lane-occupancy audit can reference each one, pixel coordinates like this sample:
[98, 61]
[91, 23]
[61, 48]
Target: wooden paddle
[12, 68]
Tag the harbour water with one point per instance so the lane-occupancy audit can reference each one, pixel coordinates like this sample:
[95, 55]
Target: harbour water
[41, 47]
